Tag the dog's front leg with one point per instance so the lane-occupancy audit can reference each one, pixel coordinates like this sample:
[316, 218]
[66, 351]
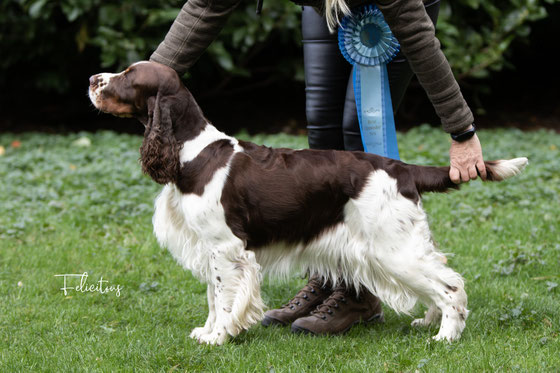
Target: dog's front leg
[211, 320]
[238, 303]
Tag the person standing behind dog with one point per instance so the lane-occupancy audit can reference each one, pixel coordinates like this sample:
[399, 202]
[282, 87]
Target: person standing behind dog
[332, 119]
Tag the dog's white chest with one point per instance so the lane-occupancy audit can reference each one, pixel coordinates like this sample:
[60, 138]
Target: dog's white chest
[191, 226]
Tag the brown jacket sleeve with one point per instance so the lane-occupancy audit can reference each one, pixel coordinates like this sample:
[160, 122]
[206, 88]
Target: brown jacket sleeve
[411, 25]
[199, 22]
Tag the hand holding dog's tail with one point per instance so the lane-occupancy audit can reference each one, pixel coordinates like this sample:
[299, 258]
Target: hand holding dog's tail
[436, 179]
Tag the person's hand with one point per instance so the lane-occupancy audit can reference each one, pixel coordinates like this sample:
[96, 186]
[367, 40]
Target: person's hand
[465, 159]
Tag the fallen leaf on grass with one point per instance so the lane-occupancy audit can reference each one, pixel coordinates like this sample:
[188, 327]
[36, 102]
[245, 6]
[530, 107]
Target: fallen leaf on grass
[543, 277]
[149, 287]
[422, 363]
[82, 142]
[107, 329]
[551, 285]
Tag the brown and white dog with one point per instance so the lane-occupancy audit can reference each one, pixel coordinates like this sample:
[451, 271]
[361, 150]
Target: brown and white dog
[230, 208]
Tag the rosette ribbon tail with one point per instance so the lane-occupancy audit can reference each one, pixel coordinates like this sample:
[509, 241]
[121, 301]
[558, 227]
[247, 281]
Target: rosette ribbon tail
[366, 41]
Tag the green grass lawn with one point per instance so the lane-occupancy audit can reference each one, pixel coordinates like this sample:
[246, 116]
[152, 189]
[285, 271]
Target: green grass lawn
[69, 208]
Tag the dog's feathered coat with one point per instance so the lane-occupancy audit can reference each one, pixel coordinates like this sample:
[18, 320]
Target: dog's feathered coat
[231, 208]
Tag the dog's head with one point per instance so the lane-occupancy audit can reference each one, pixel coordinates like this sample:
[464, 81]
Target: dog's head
[154, 94]
[133, 92]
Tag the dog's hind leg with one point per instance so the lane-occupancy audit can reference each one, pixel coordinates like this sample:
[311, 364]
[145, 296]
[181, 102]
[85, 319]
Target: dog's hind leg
[412, 269]
[443, 289]
[397, 259]
[439, 287]
[433, 315]
[453, 306]
[238, 304]
[211, 320]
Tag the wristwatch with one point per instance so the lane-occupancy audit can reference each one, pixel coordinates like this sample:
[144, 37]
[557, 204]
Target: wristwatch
[465, 135]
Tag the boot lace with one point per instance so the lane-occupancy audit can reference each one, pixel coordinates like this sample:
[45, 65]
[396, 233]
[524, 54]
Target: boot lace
[309, 288]
[333, 302]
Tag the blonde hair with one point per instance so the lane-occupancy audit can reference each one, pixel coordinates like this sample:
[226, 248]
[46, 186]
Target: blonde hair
[333, 8]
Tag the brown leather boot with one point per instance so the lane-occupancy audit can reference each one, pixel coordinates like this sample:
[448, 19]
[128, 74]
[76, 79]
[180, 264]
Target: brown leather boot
[339, 312]
[305, 301]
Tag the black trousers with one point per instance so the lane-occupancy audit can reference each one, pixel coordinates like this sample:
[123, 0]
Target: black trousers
[332, 120]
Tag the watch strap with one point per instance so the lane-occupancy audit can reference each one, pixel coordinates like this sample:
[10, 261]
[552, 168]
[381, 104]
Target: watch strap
[465, 135]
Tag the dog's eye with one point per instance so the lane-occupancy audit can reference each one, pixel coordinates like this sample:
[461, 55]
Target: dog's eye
[128, 76]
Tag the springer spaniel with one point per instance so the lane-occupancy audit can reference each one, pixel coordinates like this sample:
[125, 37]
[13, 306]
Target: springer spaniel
[230, 208]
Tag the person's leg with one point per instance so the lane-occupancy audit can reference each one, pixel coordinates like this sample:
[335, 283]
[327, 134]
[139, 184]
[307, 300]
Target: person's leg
[326, 78]
[400, 74]
[326, 74]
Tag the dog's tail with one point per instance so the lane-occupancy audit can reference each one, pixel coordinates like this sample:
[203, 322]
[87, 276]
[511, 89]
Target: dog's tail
[436, 179]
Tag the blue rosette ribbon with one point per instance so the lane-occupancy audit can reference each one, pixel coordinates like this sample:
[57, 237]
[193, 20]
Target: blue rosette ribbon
[366, 41]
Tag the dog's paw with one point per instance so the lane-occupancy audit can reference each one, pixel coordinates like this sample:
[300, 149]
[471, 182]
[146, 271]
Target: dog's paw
[440, 338]
[214, 338]
[432, 315]
[449, 337]
[198, 332]
[418, 323]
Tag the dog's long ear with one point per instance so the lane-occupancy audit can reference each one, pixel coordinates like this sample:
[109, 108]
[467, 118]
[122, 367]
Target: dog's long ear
[159, 152]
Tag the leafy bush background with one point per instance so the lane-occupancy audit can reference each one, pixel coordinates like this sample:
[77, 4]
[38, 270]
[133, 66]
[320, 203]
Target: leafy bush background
[50, 39]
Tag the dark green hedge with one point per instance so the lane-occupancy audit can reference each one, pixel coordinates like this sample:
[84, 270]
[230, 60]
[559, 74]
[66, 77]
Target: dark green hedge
[51, 38]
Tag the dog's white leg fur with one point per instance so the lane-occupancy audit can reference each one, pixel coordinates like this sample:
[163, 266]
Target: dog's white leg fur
[211, 320]
[406, 264]
[236, 281]
[443, 289]
[194, 230]
[433, 315]
[429, 280]
[391, 253]
[231, 272]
